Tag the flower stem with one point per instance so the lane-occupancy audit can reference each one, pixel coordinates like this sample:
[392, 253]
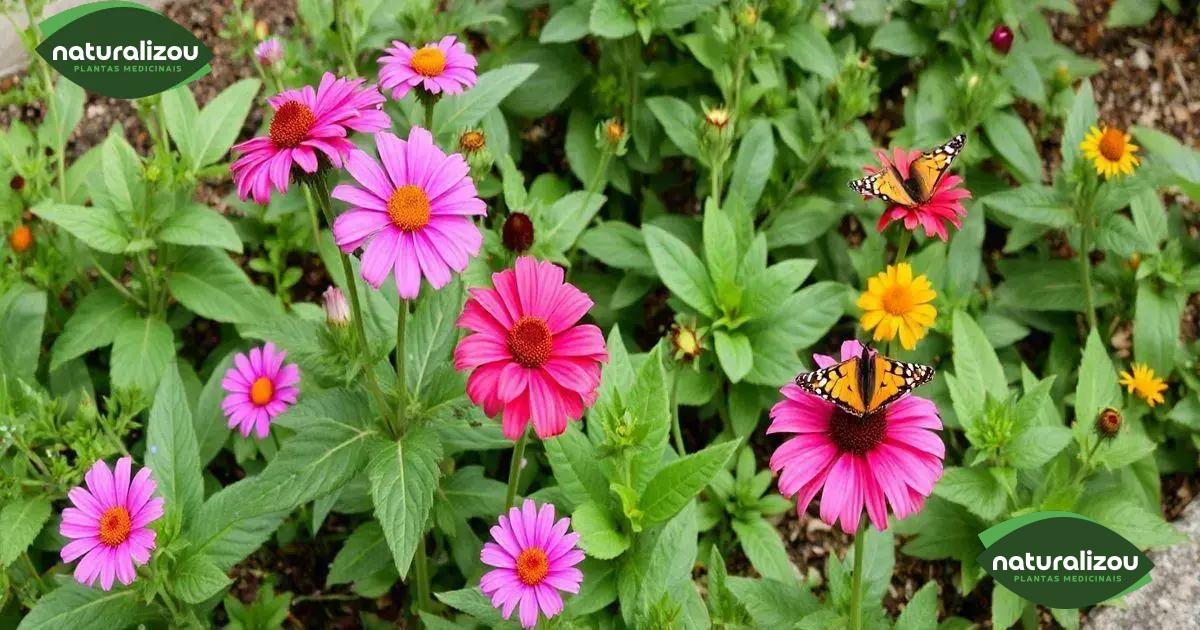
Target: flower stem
[401, 361]
[321, 189]
[902, 248]
[421, 570]
[1085, 276]
[856, 581]
[429, 101]
[514, 469]
[676, 432]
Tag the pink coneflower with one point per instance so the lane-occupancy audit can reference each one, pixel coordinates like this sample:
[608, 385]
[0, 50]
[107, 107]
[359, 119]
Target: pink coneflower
[530, 359]
[414, 214]
[890, 457]
[306, 121]
[109, 524]
[535, 558]
[259, 387]
[269, 51]
[444, 67]
[944, 205]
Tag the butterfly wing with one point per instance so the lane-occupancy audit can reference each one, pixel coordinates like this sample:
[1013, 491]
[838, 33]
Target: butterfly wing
[927, 170]
[886, 185]
[893, 379]
[838, 384]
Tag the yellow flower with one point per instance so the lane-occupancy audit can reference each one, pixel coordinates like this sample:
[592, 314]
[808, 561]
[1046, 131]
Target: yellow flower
[897, 303]
[1110, 151]
[1144, 383]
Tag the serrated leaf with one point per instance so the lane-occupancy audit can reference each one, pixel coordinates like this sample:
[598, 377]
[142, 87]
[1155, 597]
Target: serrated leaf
[404, 476]
[171, 450]
[196, 579]
[598, 533]
[23, 519]
[672, 487]
[194, 224]
[364, 553]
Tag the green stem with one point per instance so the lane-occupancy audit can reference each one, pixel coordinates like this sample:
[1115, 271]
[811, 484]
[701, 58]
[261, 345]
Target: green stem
[421, 569]
[1029, 617]
[321, 188]
[902, 248]
[343, 33]
[37, 576]
[676, 432]
[715, 175]
[401, 361]
[312, 215]
[430, 101]
[514, 469]
[122, 289]
[1085, 273]
[1086, 466]
[856, 582]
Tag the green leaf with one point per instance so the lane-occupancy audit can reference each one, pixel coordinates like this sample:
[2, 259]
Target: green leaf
[764, 548]
[1043, 285]
[576, 466]
[221, 120]
[754, 163]
[76, 606]
[471, 494]
[323, 457]
[1132, 12]
[404, 476]
[977, 370]
[921, 611]
[1182, 160]
[196, 579]
[364, 553]
[1143, 528]
[194, 224]
[209, 421]
[1035, 446]
[431, 336]
[180, 112]
[1149, 217]
[735, 354]
[1082, 117]
[473, 602]
[1039, 205]
[1007, 607]
[142, 349]
[900, 37]
[22, 321]
[674, 486]
[99, 227]
[649, 407]
[804, 220]
[976, 489]
[210, 284]
[568, 24]
[23, 519]
[1010, 137]
[1156, 329]
[809, 49]
[171, 450]
[560, 224]
[232, 524]
[1126, 448]
[679, 120]
[1097, 387]
[598, 533]
[619, 245]
[610, 19]
[721, 255]
[773, 603]
[93, 324]
[458, 111]
[680, 269]
[66, 109]
[118, 185]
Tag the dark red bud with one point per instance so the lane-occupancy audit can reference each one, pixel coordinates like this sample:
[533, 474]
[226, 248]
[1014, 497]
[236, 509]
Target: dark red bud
[518, 232]
[17, 182]
[1108, 423]
[1002, 39]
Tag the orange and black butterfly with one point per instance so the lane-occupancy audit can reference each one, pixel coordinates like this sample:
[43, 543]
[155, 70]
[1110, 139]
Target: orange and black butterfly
[865, 384]
[923, 176]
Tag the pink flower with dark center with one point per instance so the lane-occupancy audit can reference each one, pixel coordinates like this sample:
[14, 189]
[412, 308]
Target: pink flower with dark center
[413, 214]
[535, 558]
[529, 357]
[108, 524]
[442, 68]
[308, 124]
[944, 205]
[890, 458]
[259, 387]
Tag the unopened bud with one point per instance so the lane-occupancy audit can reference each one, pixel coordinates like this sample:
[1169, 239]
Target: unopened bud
[17, 182]
[21, 239]
[269, 51]
[261, 31]
[473, 146]
[337, 312]
[1108, 423]
[517, 233]
[1002, 39]
[686, 341]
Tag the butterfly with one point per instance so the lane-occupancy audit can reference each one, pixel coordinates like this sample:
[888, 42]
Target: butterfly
[865, 384]
[923, 176]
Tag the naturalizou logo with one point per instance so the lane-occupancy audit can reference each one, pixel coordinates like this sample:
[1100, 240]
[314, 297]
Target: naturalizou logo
[1062, 560]
[122, 49]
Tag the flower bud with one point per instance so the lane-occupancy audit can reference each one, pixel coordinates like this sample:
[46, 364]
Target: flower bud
[21, 239]
[260, 30]
[517, 233]
[748, 16]
[473, 146]
[611, 135]
[1002, 39]
[687, 341]
[717, 118]
[1108, 423]
[337, 312]
[269, 51]
[16, 183]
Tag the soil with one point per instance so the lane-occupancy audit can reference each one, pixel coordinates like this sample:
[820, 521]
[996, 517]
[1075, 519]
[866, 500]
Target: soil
[1151, 77]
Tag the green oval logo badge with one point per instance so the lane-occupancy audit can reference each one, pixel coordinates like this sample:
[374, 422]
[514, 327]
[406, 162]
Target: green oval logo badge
[122, 49]
[1062, 559]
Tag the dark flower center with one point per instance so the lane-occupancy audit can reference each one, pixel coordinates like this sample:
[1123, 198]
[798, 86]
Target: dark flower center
[1112, 144]
[290, 125]
[530, 341]
[857, 434]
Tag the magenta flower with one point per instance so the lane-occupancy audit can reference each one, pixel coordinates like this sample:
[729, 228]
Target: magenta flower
[269, 51]
[259, 387]
[891, 457]
[530, 359]
[944, 205]
[108, 524]
[414, 213]
[306, 122]
[535, 558]
[337, 310]
[444, 67]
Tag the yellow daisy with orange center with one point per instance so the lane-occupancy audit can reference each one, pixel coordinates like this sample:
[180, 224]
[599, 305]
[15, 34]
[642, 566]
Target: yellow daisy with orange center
[898, 304]
[1144, 383]
[1110, 151]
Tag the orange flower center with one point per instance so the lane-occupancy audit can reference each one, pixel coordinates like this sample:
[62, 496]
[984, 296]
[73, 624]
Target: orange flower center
[898, 301]
[471, 141]
[1112, 144]
[430, 61]
[261, 391]
[532, 566]
[409, 208]
[291, 124]
[855, 434]
[115, 526]
[529, 341]
[21, 238]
